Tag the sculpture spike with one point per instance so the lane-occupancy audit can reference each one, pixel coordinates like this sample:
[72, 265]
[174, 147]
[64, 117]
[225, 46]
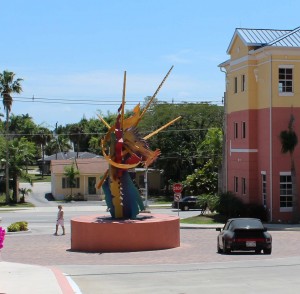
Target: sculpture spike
[161, 128]
[123, 100]
[154, 95]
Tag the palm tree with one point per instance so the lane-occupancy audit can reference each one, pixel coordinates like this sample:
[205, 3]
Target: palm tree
[24, 191]
[71, 172]
[8, 85]
[289, 141]
[20, 150]
[42, 137]
[76, 133]
[57, 144]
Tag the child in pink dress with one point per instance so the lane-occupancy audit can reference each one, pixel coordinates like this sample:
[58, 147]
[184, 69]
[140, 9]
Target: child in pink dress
[60, 220]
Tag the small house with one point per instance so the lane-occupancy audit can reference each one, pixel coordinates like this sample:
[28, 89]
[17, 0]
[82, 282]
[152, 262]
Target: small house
[90, 171]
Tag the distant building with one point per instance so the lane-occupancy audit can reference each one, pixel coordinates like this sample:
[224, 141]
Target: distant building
[62, 156]
[262, 92]
[90, 172]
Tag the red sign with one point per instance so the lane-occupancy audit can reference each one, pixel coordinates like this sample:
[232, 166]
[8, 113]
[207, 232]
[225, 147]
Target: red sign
[177, 188]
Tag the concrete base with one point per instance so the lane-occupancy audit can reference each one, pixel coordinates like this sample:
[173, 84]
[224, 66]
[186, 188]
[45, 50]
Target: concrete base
[104, 234]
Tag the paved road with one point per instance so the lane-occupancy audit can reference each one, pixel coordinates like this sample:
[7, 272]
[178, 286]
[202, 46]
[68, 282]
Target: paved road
[193, 267]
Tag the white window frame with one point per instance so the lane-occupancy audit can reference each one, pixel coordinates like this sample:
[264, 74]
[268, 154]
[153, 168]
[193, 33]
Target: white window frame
[285, 190]
[282, 87]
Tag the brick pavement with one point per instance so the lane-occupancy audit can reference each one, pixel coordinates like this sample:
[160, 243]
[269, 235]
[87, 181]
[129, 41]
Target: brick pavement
[197, 245]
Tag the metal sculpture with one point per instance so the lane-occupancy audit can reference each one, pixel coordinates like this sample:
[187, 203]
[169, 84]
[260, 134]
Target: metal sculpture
[124, 148]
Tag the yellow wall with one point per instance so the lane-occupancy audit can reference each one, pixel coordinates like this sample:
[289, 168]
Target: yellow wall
[238, 49]
[258, 93]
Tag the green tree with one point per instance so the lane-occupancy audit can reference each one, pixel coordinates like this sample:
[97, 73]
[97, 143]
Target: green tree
[24, 192]
[205, 178]
[71, 172]
[8, 86]
[57, 144]
[22, 125]
[76, 133]
[180, 142]
[42, 137]
[20, 150]
[94, 145]
[289, 141]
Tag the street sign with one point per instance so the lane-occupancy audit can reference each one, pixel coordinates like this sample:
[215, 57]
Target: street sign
[177, 197]
[177, 188]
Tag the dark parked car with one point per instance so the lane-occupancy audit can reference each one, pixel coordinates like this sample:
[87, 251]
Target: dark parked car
[188, 202]
[244, 234]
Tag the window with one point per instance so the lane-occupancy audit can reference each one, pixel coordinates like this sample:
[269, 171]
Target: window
[92, 185]
[243, 129]
[236, 130]
[286, 188]
[243, 186]
[243, 83]
[66, 183]
[285, 80]
[264, 189]
[235, 85]
[236, 184]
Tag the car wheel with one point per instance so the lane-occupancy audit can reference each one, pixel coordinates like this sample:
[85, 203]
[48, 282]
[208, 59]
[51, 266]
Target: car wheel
[225, 249]
[185, 207]
[268, 251]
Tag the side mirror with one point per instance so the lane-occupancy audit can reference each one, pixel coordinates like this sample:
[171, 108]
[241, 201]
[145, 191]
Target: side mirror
[218, 229]
[265, 229]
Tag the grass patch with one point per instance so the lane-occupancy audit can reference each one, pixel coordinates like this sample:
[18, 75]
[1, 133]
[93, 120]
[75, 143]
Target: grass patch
[160, 200]
[38, 178]
[11, 206]
[207, 219]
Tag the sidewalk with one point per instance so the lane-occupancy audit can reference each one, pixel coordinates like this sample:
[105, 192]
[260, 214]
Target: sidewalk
[32, 279]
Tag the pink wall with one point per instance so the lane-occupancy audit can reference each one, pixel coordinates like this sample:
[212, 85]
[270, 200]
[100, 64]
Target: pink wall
[249, 165]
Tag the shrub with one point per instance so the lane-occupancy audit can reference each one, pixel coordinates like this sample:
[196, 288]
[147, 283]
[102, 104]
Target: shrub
[203, 201]
[256, 211]
[68, 198]
[230, 205]
[18, 226]
[23, 225]
[13, 228]
[213, 202]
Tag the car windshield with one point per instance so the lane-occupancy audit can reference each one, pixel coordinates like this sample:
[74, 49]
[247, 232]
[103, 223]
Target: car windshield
[246, 223]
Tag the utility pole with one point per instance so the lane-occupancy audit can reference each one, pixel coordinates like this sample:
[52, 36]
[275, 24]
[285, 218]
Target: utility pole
[7, 160]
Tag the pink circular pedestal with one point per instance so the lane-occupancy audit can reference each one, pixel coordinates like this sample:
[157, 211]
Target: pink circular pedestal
[104, 234]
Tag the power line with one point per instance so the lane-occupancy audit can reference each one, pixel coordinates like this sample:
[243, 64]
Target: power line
[107, 101]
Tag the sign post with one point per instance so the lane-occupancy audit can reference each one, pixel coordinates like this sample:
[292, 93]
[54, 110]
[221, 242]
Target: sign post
[177, 189]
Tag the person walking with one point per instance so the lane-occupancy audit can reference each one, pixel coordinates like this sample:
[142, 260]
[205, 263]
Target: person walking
[60, 220]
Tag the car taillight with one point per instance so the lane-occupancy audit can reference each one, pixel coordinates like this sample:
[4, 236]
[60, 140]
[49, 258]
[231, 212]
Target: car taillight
[268, 240]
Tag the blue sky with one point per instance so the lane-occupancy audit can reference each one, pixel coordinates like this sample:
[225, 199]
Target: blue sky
[78, 50]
